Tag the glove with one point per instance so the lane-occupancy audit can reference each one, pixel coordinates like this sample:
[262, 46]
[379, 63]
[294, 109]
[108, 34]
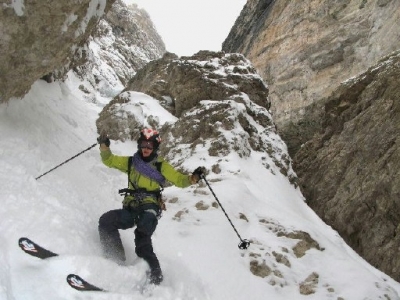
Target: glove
[103, 139]
[198, 174]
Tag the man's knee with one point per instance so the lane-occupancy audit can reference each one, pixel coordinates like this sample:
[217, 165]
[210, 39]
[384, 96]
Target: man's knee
[116, 219]
[107, 220]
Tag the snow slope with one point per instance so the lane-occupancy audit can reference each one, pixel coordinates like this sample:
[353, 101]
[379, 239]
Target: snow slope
[197, 248]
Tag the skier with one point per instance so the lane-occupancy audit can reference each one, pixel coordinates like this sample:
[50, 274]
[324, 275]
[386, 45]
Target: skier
[142, 204]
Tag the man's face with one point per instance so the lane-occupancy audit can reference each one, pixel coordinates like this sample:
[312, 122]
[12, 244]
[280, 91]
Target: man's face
[147, 148]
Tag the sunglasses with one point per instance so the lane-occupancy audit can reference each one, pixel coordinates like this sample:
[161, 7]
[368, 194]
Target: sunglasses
[147, 145]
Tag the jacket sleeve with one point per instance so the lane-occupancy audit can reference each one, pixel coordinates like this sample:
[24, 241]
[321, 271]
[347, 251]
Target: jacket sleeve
[114, 161]
[176, 178]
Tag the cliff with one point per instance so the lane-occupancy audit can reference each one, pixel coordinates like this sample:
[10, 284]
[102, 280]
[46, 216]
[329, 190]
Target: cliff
[304, 50]
[104, 42]
[39, 37]
[349, 173]
[332, 71]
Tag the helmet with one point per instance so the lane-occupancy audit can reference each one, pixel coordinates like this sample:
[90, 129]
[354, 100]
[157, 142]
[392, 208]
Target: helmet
[150, 135]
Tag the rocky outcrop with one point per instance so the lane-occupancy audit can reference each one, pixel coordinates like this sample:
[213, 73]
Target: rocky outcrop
[349, 173]
[212, 93]
[182, 83]
[39, 37]
[205, 125]
[135, 38]
[304, 49]
[124, 41]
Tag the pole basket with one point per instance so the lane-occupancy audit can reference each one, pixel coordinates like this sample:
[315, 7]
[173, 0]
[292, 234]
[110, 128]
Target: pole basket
[244, 244]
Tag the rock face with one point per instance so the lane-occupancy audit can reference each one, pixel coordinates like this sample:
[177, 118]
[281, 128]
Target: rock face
[206, 124]
[348, 165]
[211, 93]
[349, 173]
[134, 36]
[183, 82]
[39, 37]
[304, 49]
[124, 41]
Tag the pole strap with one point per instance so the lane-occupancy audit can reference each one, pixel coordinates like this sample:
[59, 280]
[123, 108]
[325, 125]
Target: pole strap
[67, 161]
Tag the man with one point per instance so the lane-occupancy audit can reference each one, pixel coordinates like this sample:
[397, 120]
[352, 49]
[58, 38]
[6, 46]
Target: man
[142, 202]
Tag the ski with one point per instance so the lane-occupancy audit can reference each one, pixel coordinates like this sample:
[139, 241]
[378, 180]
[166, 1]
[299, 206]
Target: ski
[34, 249]
[78, 283]
[73, 280]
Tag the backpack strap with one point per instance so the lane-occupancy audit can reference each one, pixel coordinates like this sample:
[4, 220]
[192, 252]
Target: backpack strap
[127, 191]
[130, 158]
[161, 202]
[158, 165]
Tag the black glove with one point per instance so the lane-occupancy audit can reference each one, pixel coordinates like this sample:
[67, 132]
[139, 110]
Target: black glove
[199, 172]
[103, 139]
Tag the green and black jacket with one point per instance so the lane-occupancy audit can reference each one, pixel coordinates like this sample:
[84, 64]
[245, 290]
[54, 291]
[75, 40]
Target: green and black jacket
[137, 180]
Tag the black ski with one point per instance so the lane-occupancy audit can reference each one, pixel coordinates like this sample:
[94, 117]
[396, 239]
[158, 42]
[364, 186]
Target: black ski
[34, 249]
[74, 281]
[82, 285]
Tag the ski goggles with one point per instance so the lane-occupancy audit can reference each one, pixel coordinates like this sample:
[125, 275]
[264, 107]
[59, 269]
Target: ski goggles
[146, 144]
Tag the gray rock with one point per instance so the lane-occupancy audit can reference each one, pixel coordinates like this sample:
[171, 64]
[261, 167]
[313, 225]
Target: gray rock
[239, 100]
[304, 50]
[42, 37]
[349, 173]
[203, 76]
[124, 41]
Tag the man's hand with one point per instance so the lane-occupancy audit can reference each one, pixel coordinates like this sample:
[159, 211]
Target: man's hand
[198, 174]
[103, 139]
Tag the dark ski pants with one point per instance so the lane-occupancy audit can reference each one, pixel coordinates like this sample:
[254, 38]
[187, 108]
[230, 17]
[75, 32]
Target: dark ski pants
[113, 220]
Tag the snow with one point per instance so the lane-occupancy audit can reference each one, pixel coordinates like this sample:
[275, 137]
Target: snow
[18, 6]
[95, 9]
[197, 248]
[143, 106]
[68, 21]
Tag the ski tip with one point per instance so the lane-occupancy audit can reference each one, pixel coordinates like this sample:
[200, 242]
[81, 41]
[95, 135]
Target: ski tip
[30, 247]
[22, 239]
[27, 245]
[78, 283]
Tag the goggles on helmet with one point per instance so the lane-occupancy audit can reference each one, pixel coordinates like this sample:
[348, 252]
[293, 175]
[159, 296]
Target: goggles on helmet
[146, 144]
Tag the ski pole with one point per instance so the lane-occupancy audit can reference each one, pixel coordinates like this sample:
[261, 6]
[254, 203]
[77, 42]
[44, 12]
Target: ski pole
[244, 244]
[67, 161]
